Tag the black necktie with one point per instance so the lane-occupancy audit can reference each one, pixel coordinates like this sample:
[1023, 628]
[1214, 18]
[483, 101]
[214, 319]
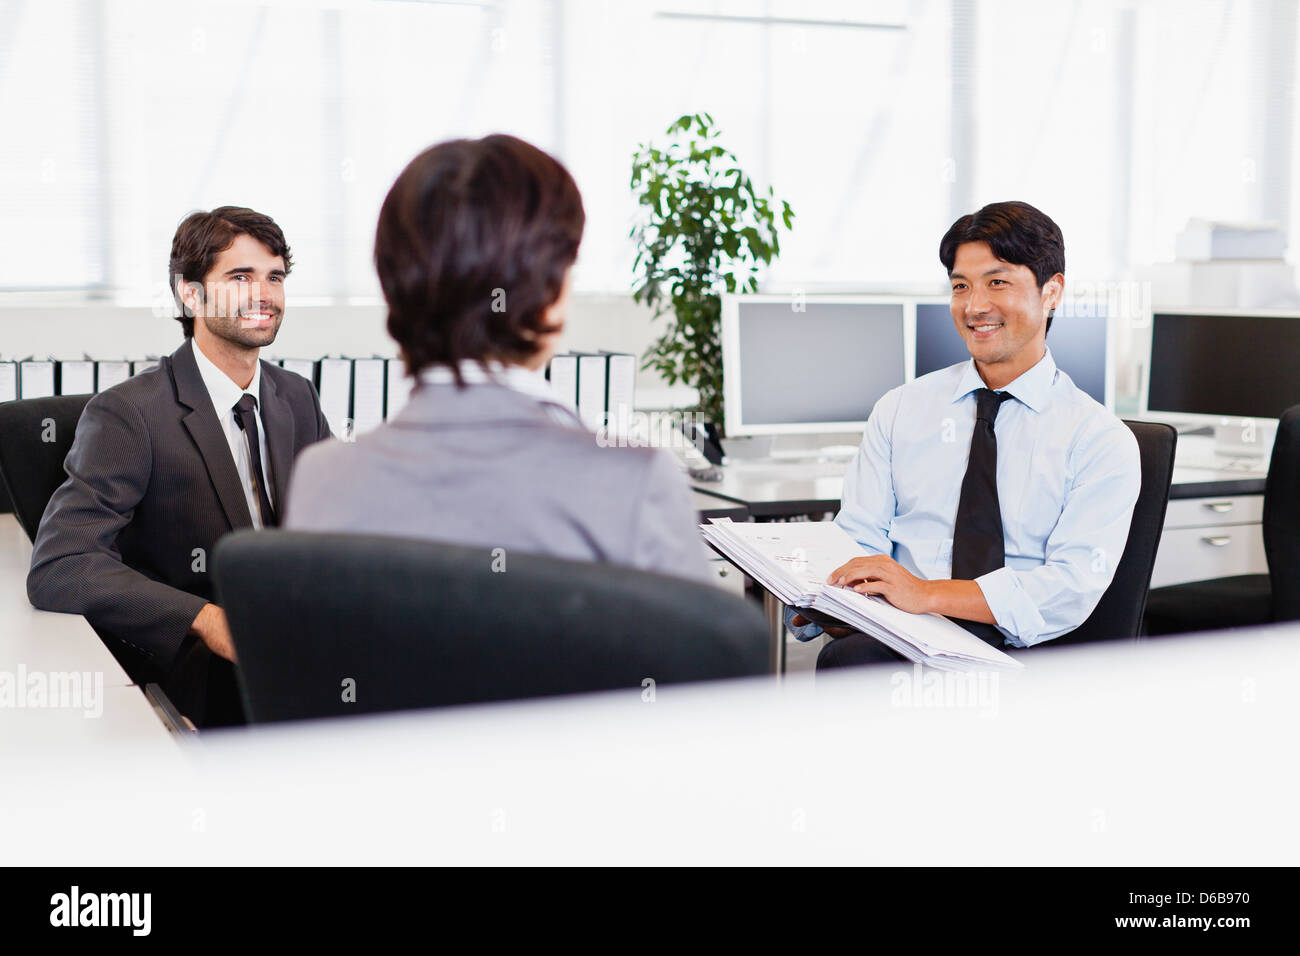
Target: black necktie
[248, 424]
[977, 543]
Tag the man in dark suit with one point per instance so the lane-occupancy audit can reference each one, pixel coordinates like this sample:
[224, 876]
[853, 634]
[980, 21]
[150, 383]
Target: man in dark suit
[166, 463]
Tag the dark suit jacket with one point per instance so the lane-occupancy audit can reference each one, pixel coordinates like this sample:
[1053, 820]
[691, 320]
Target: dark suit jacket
[151, 487]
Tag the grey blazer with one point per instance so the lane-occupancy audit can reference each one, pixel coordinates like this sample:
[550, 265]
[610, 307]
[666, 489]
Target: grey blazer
[486, 465]
[151, 486]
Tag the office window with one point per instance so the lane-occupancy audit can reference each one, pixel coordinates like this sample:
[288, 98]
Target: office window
[51, 163]
[879, 122]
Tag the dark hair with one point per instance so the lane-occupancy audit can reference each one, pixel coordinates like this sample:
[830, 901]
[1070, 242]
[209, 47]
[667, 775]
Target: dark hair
[202, 236]
[473, 243]
[1017, 233]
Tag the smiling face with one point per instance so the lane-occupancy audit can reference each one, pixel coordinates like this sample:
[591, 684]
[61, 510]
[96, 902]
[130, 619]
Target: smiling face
[242, 299]
[1000, 312]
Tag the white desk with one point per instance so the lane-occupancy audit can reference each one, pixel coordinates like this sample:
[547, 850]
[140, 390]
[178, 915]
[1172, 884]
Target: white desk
[116, 716]
[1171, 752]
[62, 686]
[43, 640]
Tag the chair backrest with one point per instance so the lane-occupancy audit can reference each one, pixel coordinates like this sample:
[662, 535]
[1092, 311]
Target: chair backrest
[1119, 612]
[35, 435]
[333, 625]
[1282, 518]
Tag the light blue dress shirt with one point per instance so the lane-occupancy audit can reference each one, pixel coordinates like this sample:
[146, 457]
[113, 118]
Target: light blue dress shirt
[1068, 477]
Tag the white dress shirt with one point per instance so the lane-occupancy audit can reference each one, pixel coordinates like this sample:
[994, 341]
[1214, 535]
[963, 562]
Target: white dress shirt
[1068, 477]
[225, 394]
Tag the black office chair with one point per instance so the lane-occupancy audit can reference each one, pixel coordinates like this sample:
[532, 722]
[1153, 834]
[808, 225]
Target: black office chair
[1246, 599]
[35, 435]
[1119, 612]
[335, 625]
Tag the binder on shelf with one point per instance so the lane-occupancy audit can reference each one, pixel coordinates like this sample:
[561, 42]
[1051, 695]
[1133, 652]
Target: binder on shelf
[304, 367]
[8, 381]
[367, 394]
[336, 394]
[143, 365]
[591, 389]
[108, 374]
[35, 379]
[563, 373]
[399, 387]
[620, 391]
[77, 377]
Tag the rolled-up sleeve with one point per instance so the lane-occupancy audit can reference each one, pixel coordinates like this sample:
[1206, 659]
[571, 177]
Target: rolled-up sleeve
[1037, 604]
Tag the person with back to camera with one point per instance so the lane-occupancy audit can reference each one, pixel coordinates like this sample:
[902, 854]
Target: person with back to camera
[474, 250]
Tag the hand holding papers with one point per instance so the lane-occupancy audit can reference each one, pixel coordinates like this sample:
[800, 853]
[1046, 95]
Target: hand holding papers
[794, 560]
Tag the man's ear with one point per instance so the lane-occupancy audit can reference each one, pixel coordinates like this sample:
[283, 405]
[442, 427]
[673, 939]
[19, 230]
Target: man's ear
[191, 295]
[1053, 291]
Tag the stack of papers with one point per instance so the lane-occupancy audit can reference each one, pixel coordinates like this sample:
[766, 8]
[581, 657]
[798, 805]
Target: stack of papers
[794, 560]
[922, 638]
[790, 560]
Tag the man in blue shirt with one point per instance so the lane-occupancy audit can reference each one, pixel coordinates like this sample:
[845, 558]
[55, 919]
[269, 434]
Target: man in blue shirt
[995, 491]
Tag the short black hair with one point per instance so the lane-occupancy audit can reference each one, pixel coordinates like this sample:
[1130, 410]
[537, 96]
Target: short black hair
[1017, 233]
[202, 236]
[472, 247]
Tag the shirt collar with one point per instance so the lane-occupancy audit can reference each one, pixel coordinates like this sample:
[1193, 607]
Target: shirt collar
[491, 372]
[221, 388]
[1032, 388]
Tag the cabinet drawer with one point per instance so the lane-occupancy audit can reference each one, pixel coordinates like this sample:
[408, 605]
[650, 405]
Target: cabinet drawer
[1196, 554]
[728, 577]
[1198, 512]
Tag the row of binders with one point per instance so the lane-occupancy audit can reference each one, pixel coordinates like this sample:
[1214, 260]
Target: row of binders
[356, 395]
[41, 379]
[601, 387]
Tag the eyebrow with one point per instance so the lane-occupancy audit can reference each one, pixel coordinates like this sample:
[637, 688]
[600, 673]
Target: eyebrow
[991, 272]
[242, 269]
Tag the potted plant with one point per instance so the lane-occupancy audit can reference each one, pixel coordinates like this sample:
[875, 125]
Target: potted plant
[704, 230]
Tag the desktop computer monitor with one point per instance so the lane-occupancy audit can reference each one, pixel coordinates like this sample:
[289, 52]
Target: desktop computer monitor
[801, 364]
[1079, 340]
[1223, 364]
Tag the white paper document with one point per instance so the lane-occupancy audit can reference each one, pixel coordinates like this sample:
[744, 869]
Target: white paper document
[367, 394]
[563, 373]
[76, 377]
[592, 371]
[111, 373]
[8, 381]
[336, 395]
[35, 379]
[794, 560]
[399, 387]
[304, 367]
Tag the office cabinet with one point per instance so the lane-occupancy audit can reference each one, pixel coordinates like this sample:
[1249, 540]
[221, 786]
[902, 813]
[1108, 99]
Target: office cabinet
[1207, 538]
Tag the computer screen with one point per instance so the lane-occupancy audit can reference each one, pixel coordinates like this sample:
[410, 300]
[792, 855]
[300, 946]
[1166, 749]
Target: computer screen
[808, 363]
[1224, 364]
[1078, 340]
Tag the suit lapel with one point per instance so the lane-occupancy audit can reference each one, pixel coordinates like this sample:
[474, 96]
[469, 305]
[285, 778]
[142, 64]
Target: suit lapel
[201, 422]
[277, 420]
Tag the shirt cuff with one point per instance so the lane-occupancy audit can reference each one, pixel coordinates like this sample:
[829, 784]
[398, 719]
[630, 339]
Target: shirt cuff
[805, 633]
[1016, 615]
